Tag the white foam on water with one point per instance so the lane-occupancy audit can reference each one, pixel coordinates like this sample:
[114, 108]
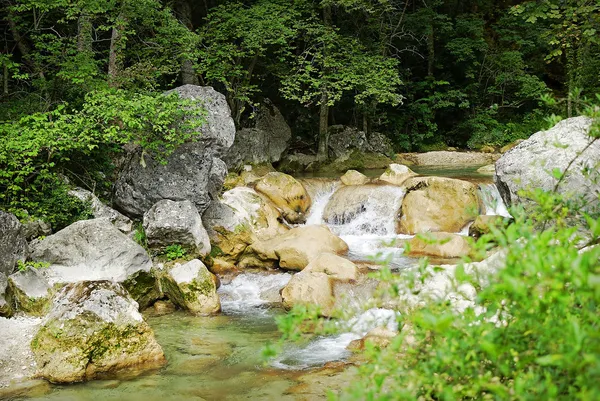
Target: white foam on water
[315, 214]
[327, 349]
[250, 291]
[379, 215]
[492, 200]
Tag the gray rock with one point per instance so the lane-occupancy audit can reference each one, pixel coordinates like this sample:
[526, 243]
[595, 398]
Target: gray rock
[380, 143]
[264, 142]
[343, 140]
[169, 222]
[13, 245]
[30, 291]
[192, 287]
[192, 172]
[218, 133]
[36, 228]
[530, 163]
[91, 250]
[6, 308]
[100, 210]
[93, 328]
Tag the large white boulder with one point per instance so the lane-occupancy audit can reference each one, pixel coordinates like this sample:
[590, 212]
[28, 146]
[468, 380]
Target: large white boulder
[531, 163]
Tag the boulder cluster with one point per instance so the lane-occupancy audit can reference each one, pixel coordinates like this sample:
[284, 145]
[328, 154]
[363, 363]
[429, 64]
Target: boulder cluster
[173, 230]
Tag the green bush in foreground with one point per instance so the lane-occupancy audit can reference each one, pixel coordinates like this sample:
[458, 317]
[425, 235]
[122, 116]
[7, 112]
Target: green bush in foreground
[538, 338]
[533, 334]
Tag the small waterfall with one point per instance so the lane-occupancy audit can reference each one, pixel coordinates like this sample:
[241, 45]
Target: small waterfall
[326, 349]
[251, 291]
[494, 205]
[319, 200]
[367, 209]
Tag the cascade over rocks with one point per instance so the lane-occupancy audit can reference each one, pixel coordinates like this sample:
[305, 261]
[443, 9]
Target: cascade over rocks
[348, 202]
[100, 210]
[287, 194]
[438, 204]
[194, 171]
[241, 217]
[94, 327]
[264, 142]
[13, 245]
[30, 292]
[353, 177]
[293, 250]
[529, 165]
[96, 250]
[169, 222]
[443, 245]
[396, 174]
[192, 287]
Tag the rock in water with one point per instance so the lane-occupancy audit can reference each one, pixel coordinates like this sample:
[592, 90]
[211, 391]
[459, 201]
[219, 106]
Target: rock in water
[314, 288]
[192, 287]
[93, 328]
[96, 250]
[264, 142]
[293, 250]
[396, 174]
[100, 210]
[13, 245]
[443, 245]
[531, 163]
[241, 217]
[169, 222]
[287, 194]
[353, 177]
[438, 204]
[194, 171]
[333, 265]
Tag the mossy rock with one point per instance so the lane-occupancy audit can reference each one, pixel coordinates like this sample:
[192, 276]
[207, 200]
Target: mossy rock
[192, 287]
[94, 328]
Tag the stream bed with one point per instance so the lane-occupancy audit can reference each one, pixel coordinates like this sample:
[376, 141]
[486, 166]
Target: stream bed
[219, 357]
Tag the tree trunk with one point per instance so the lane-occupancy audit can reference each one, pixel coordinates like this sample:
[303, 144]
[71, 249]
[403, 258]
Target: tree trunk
[187, 73]
[84, 33]
[323, 152]
[430, 47]
[115, 55]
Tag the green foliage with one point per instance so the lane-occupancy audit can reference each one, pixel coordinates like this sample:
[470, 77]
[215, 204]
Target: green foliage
[139, 235]
[23, 266]
[173, 252]
[47, 143]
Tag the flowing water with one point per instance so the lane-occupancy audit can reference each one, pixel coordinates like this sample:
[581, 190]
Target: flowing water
[219, 357]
